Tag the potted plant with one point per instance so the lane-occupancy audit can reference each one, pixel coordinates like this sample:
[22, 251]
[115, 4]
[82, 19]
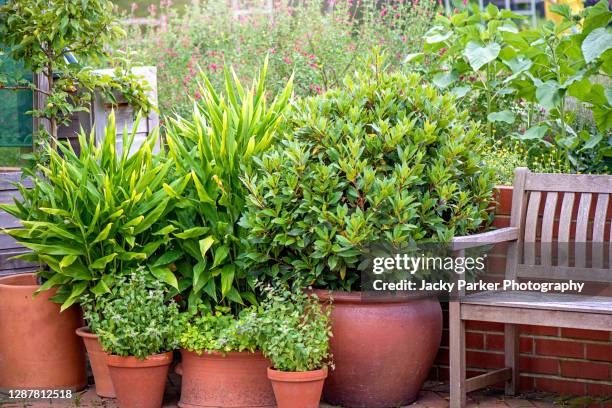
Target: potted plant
[221, 366]
[386, 158]
[138, 329]
[294, 332]
[93, 217]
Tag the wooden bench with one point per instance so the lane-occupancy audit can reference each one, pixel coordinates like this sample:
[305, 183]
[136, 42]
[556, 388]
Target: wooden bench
[538, 249]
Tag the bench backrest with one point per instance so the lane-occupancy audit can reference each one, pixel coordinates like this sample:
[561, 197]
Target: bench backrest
[565, 224]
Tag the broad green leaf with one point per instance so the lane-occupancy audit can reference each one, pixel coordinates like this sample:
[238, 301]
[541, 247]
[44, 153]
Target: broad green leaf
[227, 278]
[164, 274]
[549, 94]
[596, 43]
[103, 234]
[220, 255]
[168, 257]
[443, 79]
[460, 91]
[101, 263]
[502, 116]
[535, 132]
[67, 261]
[192, 232]
[205, 245]
[478, 56]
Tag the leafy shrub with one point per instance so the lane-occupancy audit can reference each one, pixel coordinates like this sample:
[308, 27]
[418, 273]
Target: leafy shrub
[212, 148]
[134, 319]
[294, 330]
[318, 47]
[383, 158]
[94, 216]
[221, 331]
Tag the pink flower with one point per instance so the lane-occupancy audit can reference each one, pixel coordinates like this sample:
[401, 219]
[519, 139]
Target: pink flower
[383, 12]
[287, 60]
[465, 2]
[134, 7]
[152, 10]
[197, 95]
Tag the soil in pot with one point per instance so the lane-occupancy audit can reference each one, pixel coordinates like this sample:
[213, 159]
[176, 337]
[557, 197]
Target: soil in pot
[38, 346]
[233, 380]
[139, 383]
[297, 389]
[383, 350]
[97, 360]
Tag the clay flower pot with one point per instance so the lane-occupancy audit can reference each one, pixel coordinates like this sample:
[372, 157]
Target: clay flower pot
[38, 347]
[236, 379]
[297, 389]
[139, 383]
[97, 360]
[383, 350]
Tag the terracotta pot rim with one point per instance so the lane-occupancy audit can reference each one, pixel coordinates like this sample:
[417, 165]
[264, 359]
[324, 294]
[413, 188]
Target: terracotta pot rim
[9, 286]
[85, 332]
[297, 376]
[355, 297]
[233, 354]
[132, 362]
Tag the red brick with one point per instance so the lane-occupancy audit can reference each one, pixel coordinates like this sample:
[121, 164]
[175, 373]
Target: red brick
[503, 196]
[501, 221]
[495, 341]
[559, 386]
[539, 365]
[550, 347]
[482, 359]
[485, 326]
[474, 340]
[526, 383]
[443, 373]
[539, 330]
[586, 334]
[585, 369]
[602, 352]
[599, 390]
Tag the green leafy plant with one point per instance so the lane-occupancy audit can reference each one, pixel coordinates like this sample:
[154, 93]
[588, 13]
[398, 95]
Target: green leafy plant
[220, 331]
[49, 37]
[294, 329]
[383, 158]
[96, 215]
[213, 148]
[135, 319]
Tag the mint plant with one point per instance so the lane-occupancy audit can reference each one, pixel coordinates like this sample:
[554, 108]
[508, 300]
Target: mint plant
[294, 329]
[135, 319]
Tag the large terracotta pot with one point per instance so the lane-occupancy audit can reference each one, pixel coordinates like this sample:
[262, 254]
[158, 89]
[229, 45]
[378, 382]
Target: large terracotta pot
[297, 389]
[139, 383]
[97, 360]
[233, 380]
[382, 350]
[38, 347]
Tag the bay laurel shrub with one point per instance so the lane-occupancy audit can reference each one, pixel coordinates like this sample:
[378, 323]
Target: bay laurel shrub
[134, 319]
[98, 214]
[213, 148]
[387, 157]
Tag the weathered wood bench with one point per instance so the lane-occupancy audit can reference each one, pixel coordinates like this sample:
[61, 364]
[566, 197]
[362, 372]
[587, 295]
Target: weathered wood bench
[579, 247]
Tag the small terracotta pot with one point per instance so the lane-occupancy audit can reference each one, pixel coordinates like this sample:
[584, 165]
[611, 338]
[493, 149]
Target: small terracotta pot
[297, 389]
[38, 347]
[233, 380]
[382, 349]
[139, 383]
[97, 360]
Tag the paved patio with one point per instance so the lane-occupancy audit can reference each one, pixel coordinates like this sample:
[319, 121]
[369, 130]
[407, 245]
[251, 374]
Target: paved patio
[434, 395]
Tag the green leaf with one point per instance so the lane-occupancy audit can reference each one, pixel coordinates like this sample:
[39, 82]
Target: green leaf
[220, 255]
[596, 43]
[103, 234]
[227, 278]
[67, 261]
[535, 132]
[436, 36]
[192, 232]
[502, 116]
[549, 94]
[415, 56]
[168, 257]
[205, 245]
[164, 274]
[478, 56]
[101, 263]
[444, 79]
[77, 290]
[460, 91]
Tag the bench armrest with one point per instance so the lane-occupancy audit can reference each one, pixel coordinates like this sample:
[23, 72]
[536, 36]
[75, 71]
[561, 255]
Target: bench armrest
[490, 237]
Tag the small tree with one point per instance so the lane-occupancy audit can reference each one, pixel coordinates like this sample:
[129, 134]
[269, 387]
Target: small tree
[49, 37]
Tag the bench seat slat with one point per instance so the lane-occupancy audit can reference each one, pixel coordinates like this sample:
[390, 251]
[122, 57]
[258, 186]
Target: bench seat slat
[543, 301]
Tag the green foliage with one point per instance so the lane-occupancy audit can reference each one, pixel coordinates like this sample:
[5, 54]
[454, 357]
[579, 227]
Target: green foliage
[212, 149]
[383, 158]
[134, 319]
[94, 216]
[41, 33]
[534, 83]
[294, 330]
[318, 45]
[220, 331]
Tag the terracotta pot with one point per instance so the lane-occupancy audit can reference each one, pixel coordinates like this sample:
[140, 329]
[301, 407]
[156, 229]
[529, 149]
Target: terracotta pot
[382, 350]
[233, 380]
[139, 383]
[97, 360]
[297, 389]
[38, 347]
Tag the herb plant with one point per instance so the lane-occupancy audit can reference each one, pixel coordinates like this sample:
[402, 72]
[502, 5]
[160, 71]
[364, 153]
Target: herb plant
[135, 319]
[94, 216]
[383, 158]
[220, 331]
[294, 329]
[212, 149]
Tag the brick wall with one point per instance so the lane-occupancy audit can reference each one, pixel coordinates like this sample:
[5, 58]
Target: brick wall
[552, 359]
